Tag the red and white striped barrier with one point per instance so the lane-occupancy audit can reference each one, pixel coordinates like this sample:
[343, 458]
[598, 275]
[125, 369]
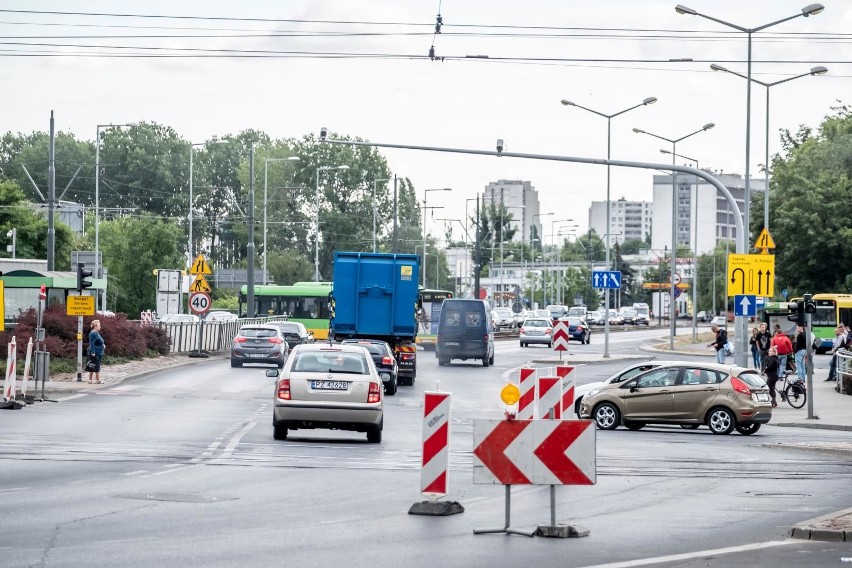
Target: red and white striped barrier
[567, 406]
[526, 404]
[560, 336]
[549, 396]
[25, 379]
[11, 371]
[436, 439]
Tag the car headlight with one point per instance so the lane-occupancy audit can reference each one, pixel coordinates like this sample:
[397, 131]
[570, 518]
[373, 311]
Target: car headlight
[591, 393]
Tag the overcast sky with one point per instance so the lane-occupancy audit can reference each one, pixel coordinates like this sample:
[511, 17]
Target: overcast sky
[620, 52]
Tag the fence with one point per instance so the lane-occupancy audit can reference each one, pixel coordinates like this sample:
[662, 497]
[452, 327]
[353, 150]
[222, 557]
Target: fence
[844, 371]
[215, 335]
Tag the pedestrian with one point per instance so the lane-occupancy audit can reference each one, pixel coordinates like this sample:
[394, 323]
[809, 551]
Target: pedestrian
[772, 367]
[801, 349]
[836, 345]
[96, 352]
[719, 343]
[784, 348]
[763, 341]
[755, 349]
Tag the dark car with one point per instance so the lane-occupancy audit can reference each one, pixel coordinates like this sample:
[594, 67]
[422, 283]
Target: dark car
[465, 332]
[259, 343]
[578, 329]
[384, 360]
[294, 332]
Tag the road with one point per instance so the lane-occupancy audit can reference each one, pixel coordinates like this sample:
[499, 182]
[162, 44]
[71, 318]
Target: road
[180, 468]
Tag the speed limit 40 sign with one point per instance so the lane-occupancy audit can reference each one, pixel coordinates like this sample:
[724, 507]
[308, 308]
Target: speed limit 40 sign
[199, 302]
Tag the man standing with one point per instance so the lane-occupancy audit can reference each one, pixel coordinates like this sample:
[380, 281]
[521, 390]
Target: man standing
[784, 348]
[719, 343]
[801, 349]
[836, 345]
[763, 339]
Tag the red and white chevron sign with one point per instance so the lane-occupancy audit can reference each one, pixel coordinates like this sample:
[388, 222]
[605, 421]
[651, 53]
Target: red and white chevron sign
[560, 336]
[534, 452]
[549, 396]
[526, 404]
[567, 406]
[436, 437]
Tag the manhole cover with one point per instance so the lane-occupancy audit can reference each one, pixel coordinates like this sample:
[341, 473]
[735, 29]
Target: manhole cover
[178, 497]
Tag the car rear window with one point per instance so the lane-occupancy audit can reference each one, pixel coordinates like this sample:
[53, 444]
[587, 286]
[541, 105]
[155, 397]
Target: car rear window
[537, 323]
[752, 379]
[470, 319]
[374, 348]
[257, 332]
[289, 328]
[330, 362]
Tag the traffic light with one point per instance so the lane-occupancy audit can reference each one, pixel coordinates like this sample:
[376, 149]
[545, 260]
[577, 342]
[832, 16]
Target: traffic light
[797, 312]
[810, 305]
[82, 275]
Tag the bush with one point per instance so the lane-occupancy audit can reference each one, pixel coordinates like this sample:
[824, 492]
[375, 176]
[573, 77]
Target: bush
[123, 338]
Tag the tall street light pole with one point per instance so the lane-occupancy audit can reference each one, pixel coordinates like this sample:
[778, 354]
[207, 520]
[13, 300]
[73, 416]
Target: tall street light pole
[609, 117]
[695, 250]
[672, 314]
[266, 202]
[98, 198]
[819, 70]
[316, 219]
[558, 249]
[375, 181]
[809, 10]
[425, 193]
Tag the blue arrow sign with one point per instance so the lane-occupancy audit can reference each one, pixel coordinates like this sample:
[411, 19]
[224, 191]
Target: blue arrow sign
[606, 279]
[745, 305]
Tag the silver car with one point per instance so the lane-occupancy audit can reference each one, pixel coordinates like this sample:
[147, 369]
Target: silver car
[537, 331]
[334, 387]
[259, 343]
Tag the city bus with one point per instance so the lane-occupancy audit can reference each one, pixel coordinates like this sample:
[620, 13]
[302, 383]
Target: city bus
[831, 310]
[305, 302]
[428, 316]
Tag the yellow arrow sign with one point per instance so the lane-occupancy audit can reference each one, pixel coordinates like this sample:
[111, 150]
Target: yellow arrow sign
[200, 266]
[752, 274]
[200, 285]
[764, 241]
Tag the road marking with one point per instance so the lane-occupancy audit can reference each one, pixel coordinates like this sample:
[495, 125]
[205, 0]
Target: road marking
[691, 555]
[234, 441]
[73, 396]
[125, 388]
[137, 472]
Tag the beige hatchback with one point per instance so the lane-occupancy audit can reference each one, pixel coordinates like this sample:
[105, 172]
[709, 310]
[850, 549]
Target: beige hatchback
[686, 394]
[334, 387]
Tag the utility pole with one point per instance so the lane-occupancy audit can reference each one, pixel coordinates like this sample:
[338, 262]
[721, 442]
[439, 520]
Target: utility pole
[477, 264]
[395, 233]
[250, 245]
[51, 197]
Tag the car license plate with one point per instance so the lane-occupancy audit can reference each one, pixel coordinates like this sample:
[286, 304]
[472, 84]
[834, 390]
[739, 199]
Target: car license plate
[761, 397]
[257, 355]
[330, 385]
[452, 343]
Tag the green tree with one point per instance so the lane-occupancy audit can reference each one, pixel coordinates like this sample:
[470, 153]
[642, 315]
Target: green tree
[289, 266]
[31, 228]
[132, 248]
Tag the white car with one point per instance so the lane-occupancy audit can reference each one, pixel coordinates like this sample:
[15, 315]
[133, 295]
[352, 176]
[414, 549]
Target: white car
[179, 318]
[503, 318]
[619, 377]
[719, 321]
[220, 315]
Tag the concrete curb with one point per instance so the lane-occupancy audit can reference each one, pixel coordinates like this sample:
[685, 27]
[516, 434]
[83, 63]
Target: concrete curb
[811, 529]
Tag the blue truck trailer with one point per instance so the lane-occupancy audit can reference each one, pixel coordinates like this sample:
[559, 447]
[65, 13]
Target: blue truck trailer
[375, 296]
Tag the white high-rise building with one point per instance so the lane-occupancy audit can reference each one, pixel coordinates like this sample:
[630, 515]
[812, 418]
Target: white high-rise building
[521, 202]
[628, 219]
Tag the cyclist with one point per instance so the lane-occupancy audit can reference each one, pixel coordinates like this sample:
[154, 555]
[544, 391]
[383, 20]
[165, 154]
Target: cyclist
[772, 368]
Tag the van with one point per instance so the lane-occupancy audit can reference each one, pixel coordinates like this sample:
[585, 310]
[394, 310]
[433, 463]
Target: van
[465, 332]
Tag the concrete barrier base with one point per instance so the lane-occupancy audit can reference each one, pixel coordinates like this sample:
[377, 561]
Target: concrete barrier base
[436, 508]
[562, 531]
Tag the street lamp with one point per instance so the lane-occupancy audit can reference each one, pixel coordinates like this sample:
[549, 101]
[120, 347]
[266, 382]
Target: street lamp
[192, 145]
[98, 195]
[809, 10]
[316, 219]
[375, 181]
[425, 193]
[708, 126]
[818, 70]
[266, 201]
[695, 247]
[609, 117]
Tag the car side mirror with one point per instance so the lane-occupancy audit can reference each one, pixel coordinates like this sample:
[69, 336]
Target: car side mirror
[633, 388]
[272, 373]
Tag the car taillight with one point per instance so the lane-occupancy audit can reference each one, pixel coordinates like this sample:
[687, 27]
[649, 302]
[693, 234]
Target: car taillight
[276, 340]
[549, 331]
[407, 356]
[485, 339]
[239, 339]
[284, 389]
[740, 386]
[579, 328]
[387, 360]
[374, 394]
[523, 331]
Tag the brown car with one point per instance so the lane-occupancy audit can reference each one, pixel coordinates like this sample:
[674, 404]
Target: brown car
[686, 394]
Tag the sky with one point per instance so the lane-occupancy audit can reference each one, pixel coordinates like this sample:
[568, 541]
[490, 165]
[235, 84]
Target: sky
[607, 55]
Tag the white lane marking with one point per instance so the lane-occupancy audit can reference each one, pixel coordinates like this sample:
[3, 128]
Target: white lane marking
[13, 490]
[232, 443]
[125, 388]
[691, 555]
[137, 472]
[73, 396]
[177, 467]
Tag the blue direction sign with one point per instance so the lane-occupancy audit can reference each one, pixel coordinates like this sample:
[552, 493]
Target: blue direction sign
[606, 279]
[745, 305]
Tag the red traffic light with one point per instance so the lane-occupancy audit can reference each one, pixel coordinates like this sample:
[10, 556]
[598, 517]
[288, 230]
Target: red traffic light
[42, 292]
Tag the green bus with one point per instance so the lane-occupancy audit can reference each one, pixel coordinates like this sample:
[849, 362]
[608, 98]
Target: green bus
[428, 316]
[305, 302]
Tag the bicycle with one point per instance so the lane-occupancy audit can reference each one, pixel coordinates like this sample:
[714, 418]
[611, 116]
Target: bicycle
[795, 392]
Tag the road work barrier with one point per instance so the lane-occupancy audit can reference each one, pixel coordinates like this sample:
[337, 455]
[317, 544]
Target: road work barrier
[9, 385]
[526, 404]
[565, 409]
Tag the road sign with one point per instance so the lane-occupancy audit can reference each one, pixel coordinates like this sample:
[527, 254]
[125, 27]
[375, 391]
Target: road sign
[752, 274]
[678, 292]
[200, 285]
[436, 438]
[199, 302]
[606, 279]
[677, 278]
[549, 396]
[745, 305]
[560, 336]
[764, 241]
[534, 452]
[200, 266]
[80, 305]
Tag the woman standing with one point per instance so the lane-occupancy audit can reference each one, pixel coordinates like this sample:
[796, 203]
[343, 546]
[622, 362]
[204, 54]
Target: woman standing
[96, 351]
[771, 365]
[755, 348]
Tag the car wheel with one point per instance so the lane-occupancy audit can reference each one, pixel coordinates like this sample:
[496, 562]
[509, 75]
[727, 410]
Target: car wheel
[374, 436]
[689, 426]
[588, 339]
[634, 425]
[577, 404]
[391, 388]
[236, 363]
[279, 431]
[491, 359]
[721, 421]
[748, 430]
[550, 345]
[522, 344]
[443, 362]
[607, 416]
[485, 361]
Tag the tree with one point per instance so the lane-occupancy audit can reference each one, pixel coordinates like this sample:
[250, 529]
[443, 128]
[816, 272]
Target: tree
[811, 177]
[31, 228]
[289, 266]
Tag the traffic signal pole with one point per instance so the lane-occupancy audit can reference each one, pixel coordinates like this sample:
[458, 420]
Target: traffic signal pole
[82, 282]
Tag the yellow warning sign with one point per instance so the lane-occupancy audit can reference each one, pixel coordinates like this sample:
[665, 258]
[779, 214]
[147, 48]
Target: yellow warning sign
[751, 274]
[764, 241]
[200, 266]
[80, 306]
[200, 285]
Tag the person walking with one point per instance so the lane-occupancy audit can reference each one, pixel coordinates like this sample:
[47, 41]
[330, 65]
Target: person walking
[801, 349]
[719, 343]
[755, 349]
[763, 341]
[96, 352]
[772, 367]
[836, 345]
[784, 348]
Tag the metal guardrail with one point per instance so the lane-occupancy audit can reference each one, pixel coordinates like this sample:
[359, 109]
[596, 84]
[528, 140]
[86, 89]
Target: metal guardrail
[215, 335]
[844, 371]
